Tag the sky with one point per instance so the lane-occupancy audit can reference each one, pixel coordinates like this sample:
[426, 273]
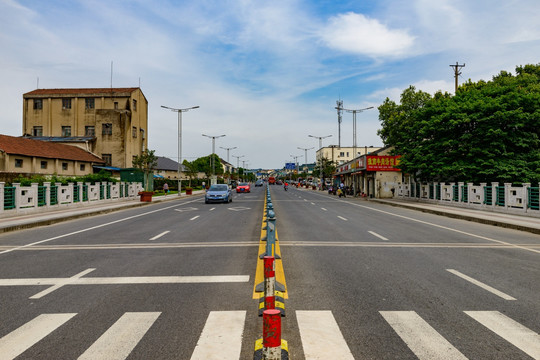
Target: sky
[265, 73]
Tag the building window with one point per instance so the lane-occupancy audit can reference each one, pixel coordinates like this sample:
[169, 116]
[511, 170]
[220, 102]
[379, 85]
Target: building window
[116, 105]
[66, 130]
[106, 129]
[64, 166]
[134, 132]
[134, 105]
[342, 154]
[37, 131]
[82, 167]
[66, 104]
[38, 104]
[107, 158]
[142, 134]
[347, 154]
[44, 164]
[89, 131]
[18, 163]
[89, 103]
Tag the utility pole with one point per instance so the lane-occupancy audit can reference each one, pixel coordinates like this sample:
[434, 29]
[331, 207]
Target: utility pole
[228, 149]
[457, 72]
[321, 176]
[305, 154]
[339, 108]
[354, 126]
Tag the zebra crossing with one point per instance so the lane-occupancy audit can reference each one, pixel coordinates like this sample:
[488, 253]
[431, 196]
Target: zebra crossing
[221, 337]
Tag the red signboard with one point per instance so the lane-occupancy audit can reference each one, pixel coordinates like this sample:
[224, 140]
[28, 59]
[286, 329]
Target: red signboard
[383, 163]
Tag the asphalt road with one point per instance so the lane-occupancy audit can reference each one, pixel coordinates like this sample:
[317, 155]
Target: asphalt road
[364, 281]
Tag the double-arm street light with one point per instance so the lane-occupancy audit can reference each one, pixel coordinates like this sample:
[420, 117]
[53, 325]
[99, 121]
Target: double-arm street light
[354, 125]
[179, 111]
[228, 149]
[305, 153]
[213, 150]
[295, 157]
[321, 159]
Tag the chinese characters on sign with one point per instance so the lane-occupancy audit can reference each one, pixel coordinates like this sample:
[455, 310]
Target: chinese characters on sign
[383, 163]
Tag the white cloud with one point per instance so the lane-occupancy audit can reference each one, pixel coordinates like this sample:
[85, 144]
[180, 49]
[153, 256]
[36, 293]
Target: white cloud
[356, 33]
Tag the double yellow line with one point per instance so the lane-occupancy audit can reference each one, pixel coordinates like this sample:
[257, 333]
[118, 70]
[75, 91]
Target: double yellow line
[259, 273]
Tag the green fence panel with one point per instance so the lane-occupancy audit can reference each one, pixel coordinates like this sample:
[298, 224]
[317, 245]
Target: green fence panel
[500, 196]
[464, 193]
[76, 193]
[438, 192]
[9, 197]
[108, 191]
[431, 191]
[455, 192]
[488, 195]
[418, 192]
[85, 192]
[533, 198]
[42, 196]
[54, 195]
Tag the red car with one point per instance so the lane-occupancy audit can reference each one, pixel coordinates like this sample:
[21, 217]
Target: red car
[243, 188]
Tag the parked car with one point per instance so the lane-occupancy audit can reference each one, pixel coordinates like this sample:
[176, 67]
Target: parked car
[218, 193]
[259, 183]
[243, 187]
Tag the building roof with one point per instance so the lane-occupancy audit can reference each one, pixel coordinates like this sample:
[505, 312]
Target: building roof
[166, 164]
[20, 146]
[79, 91]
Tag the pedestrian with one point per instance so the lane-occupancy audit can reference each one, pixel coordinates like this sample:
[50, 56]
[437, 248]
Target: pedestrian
[165, 188]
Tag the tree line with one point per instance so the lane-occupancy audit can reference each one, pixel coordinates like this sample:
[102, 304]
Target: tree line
[487, 132]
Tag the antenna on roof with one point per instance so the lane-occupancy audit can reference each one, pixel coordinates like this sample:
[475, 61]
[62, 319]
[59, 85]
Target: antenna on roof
[37, 87]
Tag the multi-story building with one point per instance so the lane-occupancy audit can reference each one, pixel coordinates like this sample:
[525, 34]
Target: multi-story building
[341, 155]
[109, 122]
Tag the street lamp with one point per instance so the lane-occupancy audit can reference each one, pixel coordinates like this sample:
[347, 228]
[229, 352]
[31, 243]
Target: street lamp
[179, 111]
[228, 149]
[296, 162]
[305, 153]
[213, 151]
[320, 160]
[354, 125]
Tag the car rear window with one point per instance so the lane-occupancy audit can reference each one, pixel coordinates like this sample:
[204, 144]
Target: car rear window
[218, 188]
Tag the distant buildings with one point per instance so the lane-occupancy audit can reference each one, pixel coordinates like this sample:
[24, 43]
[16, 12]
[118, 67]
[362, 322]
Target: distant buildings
[111, 123]
[341, 155]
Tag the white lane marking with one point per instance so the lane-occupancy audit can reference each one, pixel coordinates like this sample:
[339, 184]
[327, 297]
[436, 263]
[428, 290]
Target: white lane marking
[342, 218]
[321, 337]
[377, 235]
[186, 209]
[481, 284]
[195, 217]
[424, 341]
[160, 235]
[221, 337]
[212, 209]
[323, 209]
[438, 226]
[513, 332]
[120, 339]
[18, 341]
[59, 284]
[126, 280]
[94, 227]
[312, 203]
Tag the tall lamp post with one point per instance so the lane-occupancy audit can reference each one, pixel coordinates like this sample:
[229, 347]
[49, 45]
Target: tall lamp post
[320, 162]
[305, 153]
[295, 157]
[354, 138]
[238, 157]
[180, 111]
[228, 149]
[213, 151]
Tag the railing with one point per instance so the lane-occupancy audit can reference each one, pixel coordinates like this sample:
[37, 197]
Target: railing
[16, 199]
[509, 198]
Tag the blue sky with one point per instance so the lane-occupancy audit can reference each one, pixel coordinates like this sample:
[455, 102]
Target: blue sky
[265, 73]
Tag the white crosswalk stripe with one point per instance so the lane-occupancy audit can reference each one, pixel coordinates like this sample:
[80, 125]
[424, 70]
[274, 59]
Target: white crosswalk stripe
[321, 337]
[424, 341]
[18, 341]
[513, 332]
[118, 342]
[221, 337]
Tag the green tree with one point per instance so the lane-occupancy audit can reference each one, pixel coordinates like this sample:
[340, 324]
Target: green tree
[146, 162]
[489, 131]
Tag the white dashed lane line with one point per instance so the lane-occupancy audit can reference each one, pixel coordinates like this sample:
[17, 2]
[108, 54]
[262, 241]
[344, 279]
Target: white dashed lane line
[160, 235]
[377, 235]
[195, 217]
[342, 218]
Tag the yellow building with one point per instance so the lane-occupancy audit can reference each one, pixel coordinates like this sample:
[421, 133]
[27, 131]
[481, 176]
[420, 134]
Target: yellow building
[109, 122]
[341, 155]
[28, 157]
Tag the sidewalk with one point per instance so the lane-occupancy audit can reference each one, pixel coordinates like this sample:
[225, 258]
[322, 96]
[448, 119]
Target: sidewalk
[26, 221]
[511, 221]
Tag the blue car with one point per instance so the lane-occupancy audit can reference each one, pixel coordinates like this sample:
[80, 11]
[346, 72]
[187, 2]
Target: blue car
[218, 193]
